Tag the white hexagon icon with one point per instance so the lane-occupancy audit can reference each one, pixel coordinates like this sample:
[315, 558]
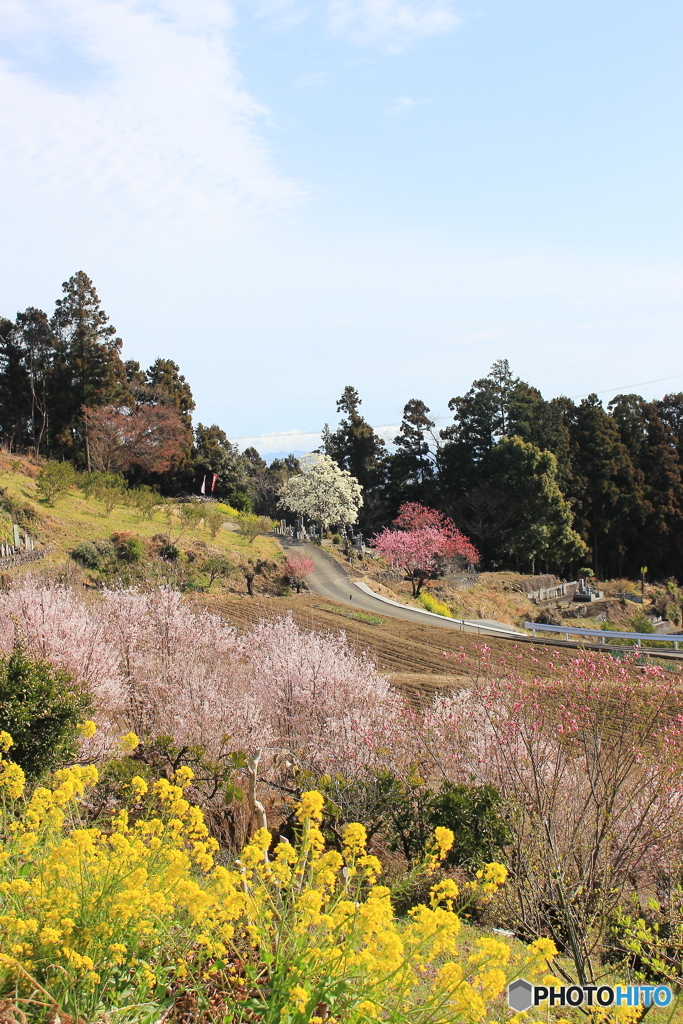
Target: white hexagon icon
[520, 995]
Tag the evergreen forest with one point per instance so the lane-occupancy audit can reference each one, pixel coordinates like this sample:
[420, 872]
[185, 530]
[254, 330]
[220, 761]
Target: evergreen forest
[537, 484]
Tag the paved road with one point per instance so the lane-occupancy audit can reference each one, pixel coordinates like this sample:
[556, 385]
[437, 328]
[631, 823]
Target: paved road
[332, 581]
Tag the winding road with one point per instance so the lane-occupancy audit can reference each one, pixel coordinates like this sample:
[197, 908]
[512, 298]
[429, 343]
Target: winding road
[332, 581]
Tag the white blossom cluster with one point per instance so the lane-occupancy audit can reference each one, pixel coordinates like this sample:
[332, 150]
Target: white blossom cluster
[323, 492]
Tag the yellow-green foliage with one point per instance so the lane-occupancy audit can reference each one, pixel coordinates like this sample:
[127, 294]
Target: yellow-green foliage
[432, 604]
[132, 915]
[228, 509]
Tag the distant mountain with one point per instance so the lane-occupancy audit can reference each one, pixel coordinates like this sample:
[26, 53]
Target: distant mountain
[269, 456]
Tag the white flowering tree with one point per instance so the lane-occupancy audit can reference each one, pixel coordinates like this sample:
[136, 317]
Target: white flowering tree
[322, 492]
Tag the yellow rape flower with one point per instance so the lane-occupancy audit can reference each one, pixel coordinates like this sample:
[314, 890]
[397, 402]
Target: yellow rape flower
[494, 873]
[543, 947]
[129, 742]
[87, 729]
[184, 776]
[444, 839]
[443, 892]
[367, 1009]
[6, 741]
[310, 807]
[354, 837]
[12, 778]
[298, 997]
[139, 787]
[493, 951]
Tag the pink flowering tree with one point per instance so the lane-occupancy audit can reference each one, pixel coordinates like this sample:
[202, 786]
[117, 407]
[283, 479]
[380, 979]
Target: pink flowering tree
[298, 567]
[587, 757]
[425, 540]
[157, 665]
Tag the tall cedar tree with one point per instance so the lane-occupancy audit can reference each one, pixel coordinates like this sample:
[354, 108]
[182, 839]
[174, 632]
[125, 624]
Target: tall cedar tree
[88, 370]
[412, 468]
[653, 536]
[355, 446]
[26, 377]
[606, 487]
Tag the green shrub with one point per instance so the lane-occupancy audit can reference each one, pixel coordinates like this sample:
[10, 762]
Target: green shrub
[86, 554]
[214, 518]
[240, 501]
[41, 709]
[432, 604]
[130, 549]
[406, 812]
[20, 512]
[475, 815]
[55, 479]
[169, 552]
[641, 623]
[95, 554]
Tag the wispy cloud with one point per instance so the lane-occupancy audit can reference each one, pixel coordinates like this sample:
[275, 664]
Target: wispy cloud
[284, 441]
[159, 127]
[298, 440]
[402, 104]
[391, 24]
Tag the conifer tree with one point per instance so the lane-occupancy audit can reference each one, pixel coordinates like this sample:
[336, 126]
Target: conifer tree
[412, 468]
[88, 371]
[355, 447]
[605, 486]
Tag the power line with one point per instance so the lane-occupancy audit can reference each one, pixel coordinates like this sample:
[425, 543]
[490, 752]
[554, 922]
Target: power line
[640, 384]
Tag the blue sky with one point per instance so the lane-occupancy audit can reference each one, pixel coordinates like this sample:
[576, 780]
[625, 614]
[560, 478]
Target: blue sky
[288, 196]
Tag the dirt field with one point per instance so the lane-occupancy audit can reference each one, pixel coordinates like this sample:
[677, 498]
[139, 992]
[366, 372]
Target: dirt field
[411, 653]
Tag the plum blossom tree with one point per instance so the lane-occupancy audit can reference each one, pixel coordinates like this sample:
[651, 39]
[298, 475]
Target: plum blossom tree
[322, 492]
[424, 541]
[156, 665]
[587, 756]
[316, 698]
[298, 568]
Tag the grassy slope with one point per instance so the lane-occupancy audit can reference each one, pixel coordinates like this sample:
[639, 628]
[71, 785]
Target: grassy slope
[73, 519]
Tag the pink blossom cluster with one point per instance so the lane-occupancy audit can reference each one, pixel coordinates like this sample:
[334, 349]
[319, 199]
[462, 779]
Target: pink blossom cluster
[156, 665]
[423, 538]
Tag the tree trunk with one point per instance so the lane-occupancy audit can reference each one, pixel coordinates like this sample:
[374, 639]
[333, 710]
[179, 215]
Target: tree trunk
[87, 446]
[257, 808]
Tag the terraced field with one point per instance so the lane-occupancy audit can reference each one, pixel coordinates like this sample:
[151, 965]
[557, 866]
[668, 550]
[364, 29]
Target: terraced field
[411, 653]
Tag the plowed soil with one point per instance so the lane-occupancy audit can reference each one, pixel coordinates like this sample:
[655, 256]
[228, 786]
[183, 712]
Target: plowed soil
[411, 653]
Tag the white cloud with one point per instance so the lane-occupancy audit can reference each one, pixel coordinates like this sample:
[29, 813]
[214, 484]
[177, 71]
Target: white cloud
[391, 24]
[285, 441]
[158, 128]
[401, 104]
[299, 440]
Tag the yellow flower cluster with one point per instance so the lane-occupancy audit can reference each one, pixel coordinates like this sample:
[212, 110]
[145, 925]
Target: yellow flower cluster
[96, 915]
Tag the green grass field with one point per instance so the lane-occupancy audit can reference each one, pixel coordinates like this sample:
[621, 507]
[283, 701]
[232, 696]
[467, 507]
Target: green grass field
[73, 519]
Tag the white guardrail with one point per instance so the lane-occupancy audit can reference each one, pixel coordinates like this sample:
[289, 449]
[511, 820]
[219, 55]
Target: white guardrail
[671, 638]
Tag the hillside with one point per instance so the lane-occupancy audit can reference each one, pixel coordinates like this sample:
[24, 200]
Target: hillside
[74, 519]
